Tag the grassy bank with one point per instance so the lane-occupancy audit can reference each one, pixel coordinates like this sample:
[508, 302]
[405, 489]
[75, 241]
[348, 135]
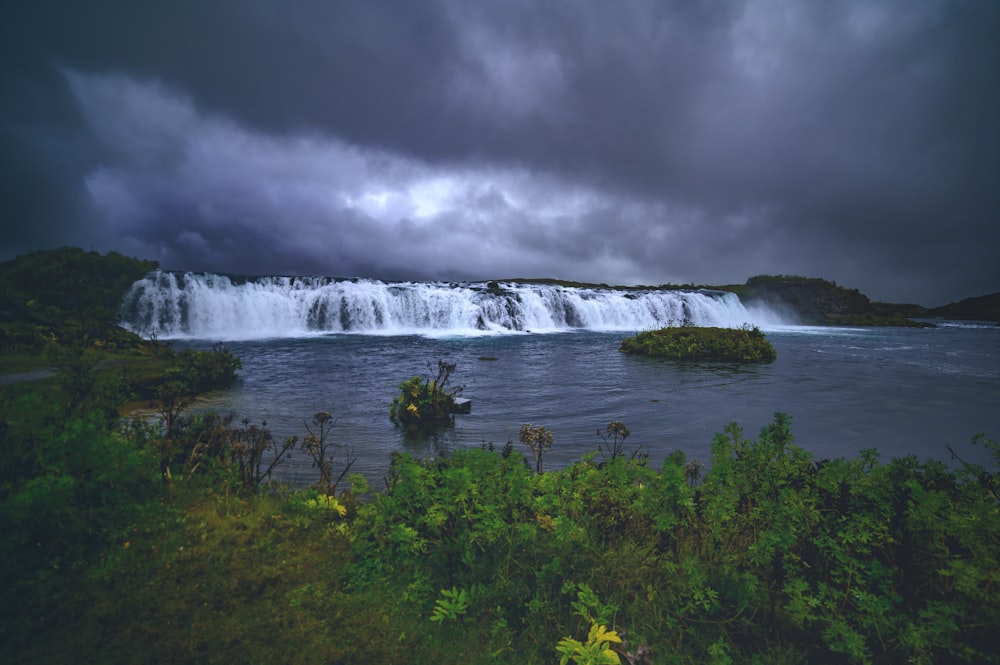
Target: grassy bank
[765, 556]
[60, 339]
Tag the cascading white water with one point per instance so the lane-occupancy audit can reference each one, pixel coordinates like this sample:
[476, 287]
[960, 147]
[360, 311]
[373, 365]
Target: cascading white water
[171, 305]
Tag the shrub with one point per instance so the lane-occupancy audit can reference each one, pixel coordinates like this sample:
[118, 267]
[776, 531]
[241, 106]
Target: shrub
[744, 345]
[426, 402]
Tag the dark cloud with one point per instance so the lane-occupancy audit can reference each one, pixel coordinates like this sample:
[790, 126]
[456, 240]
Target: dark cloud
[639, 142]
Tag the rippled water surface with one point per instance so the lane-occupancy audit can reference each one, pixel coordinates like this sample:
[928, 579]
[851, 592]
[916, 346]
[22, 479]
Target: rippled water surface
[899, 390]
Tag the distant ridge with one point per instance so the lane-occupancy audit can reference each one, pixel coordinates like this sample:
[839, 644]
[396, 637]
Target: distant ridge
[979, 308]
[822, 302]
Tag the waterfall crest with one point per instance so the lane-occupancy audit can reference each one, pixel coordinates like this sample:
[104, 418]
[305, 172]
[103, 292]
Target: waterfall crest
[170, 305]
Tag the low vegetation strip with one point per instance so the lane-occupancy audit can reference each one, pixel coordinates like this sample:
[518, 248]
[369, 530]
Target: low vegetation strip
[741, 345]
[768, 556]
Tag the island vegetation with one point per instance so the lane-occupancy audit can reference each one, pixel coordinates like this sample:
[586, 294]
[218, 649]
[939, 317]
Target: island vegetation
[168, 540]
[737, 345]
[426, 403]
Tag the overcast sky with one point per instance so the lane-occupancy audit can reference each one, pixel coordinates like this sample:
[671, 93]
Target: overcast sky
[619, 142]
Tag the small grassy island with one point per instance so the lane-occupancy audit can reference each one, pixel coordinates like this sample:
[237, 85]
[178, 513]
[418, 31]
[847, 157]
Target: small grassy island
[741, 345]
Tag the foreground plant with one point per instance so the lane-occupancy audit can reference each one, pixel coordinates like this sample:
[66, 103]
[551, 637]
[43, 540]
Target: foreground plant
[452, 604]
[321, 449]
[539, 439]
[603, 646]
[595, 651]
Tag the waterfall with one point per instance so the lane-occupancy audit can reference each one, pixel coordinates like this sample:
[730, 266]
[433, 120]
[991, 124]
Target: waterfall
[173, 305]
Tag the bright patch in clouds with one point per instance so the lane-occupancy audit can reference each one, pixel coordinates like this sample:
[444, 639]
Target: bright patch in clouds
[614, 142]
[191, 188]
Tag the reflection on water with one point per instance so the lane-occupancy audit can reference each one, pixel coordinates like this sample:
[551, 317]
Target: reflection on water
[899, 390]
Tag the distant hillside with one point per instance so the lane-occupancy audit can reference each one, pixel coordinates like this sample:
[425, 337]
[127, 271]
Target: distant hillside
[980, 308]
[53, 284]
[821, 302]
[65, 294]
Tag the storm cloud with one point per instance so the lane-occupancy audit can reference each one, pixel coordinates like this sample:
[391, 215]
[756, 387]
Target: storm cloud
[630, 142]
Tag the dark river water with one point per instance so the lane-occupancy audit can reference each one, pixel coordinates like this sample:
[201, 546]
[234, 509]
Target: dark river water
[900, 390]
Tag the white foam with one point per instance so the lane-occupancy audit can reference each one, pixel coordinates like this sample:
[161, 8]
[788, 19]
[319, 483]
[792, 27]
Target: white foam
[172, 305]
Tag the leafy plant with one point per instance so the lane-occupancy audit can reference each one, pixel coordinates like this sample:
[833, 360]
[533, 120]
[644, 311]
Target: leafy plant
[588, 606]
[452, 604]
[324, 502]
[424, 403]
[986, 478]
[595, 651]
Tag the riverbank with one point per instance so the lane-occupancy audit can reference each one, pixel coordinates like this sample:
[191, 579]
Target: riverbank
[765, 556]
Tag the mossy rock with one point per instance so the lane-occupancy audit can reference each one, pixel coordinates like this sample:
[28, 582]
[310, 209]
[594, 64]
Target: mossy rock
[739, 345]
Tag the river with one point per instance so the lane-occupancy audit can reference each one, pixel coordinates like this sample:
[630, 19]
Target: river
[547, 354]
[900, 390]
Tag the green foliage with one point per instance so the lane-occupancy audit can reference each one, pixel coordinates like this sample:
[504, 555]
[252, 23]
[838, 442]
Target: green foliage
[68, 484]
[588, 606]
[743, 345]
[90, 379]
[359, 484]
[595, 651]
[323, 502]
[979, 472]
[452, 604]
[67, 295]
[769, 556]
[53, 283]
[772, 555]
[200, 371]
[426, 403]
